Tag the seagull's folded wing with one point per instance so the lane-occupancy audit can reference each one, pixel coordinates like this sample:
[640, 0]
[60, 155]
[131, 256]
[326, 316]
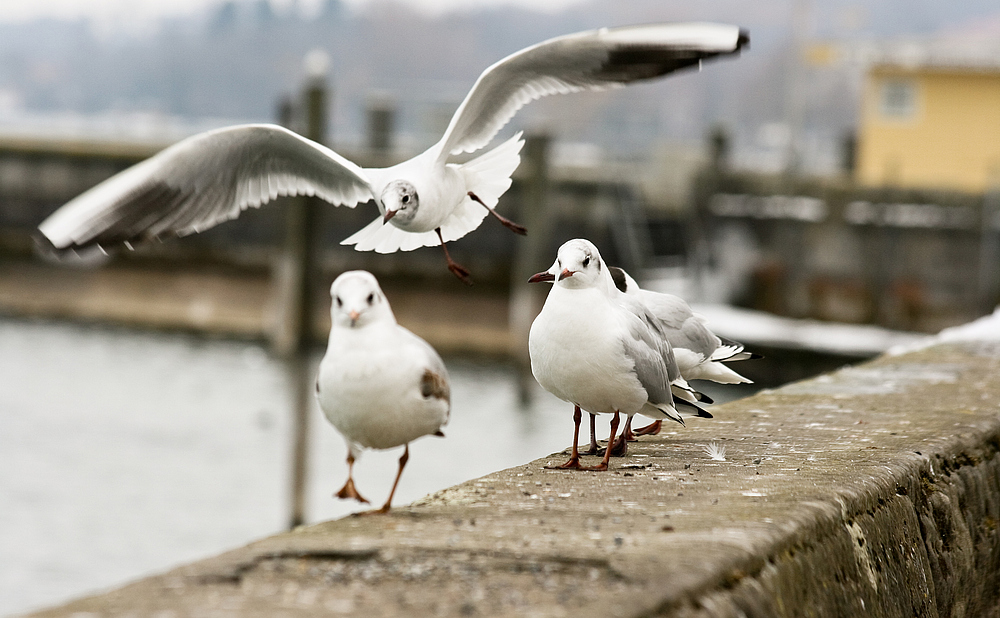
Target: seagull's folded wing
[591, 60]
[202, 181]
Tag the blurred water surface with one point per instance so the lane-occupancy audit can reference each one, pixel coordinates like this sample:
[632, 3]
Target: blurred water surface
[124, 453]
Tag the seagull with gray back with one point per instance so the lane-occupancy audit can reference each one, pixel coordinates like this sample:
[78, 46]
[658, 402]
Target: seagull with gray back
[597, 349]
[699, 352]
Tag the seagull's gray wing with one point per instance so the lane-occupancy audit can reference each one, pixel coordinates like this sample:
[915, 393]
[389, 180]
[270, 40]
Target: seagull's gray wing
[591, 60]
[649, 350]
[681, 327]
[202, 181]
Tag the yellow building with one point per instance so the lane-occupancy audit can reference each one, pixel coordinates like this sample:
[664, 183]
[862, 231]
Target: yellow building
[931, 126]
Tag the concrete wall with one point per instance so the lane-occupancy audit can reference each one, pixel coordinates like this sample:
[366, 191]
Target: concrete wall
[872, 491]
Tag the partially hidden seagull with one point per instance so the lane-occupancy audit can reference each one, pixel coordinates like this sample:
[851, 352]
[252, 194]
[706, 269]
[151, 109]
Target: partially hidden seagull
[699, 352]
[212, 177]
[598, 349]
[380, 385]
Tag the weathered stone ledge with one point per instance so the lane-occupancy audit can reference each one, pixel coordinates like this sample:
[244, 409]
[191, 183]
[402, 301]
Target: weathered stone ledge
[873, 491]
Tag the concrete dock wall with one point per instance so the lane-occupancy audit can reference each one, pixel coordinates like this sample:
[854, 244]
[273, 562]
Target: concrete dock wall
[871, 491]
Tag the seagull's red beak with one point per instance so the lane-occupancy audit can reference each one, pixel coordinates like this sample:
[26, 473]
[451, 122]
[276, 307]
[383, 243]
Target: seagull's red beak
[542, 276]
[566, 273]
[389, 214]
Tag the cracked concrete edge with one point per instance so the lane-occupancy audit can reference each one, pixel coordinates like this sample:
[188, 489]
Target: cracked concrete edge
[919, 494]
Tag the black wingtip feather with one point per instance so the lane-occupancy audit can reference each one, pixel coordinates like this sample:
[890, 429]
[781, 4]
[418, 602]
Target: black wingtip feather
[92, 255]
[743, 40]
[618, 276]
[701, 412]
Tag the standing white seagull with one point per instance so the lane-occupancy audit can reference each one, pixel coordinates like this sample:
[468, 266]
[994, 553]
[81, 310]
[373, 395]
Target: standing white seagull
[594, 348]
[213, 176]
[380, 385]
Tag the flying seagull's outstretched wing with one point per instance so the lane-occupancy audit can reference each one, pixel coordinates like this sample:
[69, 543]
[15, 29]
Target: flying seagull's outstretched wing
[591, 60]
[200, 182]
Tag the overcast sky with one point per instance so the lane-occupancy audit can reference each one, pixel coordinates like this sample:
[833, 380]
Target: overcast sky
[119, 12]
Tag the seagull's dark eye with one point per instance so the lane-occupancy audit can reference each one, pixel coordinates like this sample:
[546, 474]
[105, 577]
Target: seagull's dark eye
[371, 298]
[406, 199]
[340, 303]
[586, 261]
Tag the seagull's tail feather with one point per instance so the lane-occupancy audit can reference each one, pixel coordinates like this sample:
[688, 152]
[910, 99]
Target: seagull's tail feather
[686, 407]
[682, 391]
[731, 351]
[661, 411]
[488, 176]
[717, 372]
[387, 238]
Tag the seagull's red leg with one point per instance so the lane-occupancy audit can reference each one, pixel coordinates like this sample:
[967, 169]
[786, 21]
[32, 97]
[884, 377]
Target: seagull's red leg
[594, 448]
[649, 430]
[402, 464]
[457, 269]
[507, 223]
[574, 458]
[607, 452]
[620, 448]
[348, 490]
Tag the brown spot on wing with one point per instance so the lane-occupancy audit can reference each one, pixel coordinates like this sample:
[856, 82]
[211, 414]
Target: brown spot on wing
[434, 385]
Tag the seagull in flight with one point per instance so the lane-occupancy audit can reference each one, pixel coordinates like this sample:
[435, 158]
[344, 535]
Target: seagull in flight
[213, 176]
[380, 385]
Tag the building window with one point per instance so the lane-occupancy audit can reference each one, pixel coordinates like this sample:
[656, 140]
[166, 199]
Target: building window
[898, 99]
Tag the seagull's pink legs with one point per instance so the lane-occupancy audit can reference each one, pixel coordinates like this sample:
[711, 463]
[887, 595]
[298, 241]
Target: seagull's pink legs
[649, 430]
[405, 457]
[456, 269]
[620, 448]
[348, 490]
[607, 452]
[574, 458]
[594, 448]
[507, 223]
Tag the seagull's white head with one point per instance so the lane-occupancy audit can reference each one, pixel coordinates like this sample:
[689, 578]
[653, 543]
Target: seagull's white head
[358, 301]
[578, 265]
[400, 202]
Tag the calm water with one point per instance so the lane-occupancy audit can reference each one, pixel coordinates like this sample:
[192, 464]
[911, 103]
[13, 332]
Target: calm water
[125, 453]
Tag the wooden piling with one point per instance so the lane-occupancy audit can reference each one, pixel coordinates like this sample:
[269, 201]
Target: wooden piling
[530, 256]
[297, 281]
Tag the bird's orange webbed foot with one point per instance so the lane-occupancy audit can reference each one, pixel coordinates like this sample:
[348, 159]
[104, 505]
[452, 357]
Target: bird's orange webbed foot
[649, 430]
[572, 464]
[349, 491]
[460, 271]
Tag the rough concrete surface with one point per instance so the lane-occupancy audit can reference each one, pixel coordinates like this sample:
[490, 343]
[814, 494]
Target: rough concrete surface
[873, 491]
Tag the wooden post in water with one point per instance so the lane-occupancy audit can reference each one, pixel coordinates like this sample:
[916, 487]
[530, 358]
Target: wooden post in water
[530, 257]
[298, 281]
